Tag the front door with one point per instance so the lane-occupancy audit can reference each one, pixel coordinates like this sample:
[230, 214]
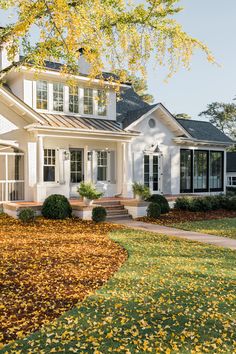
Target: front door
[152, 173]
[76, 170]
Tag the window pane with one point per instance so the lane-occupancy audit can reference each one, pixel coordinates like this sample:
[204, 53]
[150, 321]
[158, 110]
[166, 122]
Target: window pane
[58, 97]
[76, 166]
[185, 170]
[216, 170]
[102, 165]
[146, 170]
[200, 170]
[102, 103]
[41, 95]
[74, 99]
[88, 101]
[49, 165]
[49, 173]
[102, 173]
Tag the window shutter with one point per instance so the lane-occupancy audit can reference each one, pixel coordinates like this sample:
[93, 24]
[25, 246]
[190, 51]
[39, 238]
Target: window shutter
[61, 165]
[112, 163]
[94, 166]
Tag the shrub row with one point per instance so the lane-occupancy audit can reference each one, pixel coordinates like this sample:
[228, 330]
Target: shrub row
[206, 203]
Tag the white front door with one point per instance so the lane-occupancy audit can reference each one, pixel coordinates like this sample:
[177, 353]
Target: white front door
[152, 172]
[76, 170]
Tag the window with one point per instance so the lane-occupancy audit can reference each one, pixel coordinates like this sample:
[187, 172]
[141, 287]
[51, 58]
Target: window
[41, 95]
[49, 165]
[88, 101]
[74, 99]
[76, 166]
[102, 103]
[152, 123]
[186, 161]
[146, 170]
[102, 159]
[58, 97]
[216, 170]
[200, 180]
[231, 181]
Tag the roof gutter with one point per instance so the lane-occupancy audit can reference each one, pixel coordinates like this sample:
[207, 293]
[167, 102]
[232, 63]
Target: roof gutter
[202, 142]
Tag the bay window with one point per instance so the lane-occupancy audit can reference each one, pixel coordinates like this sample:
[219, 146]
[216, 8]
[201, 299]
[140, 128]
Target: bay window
[88, 101]
[58, 97]
[74, 99]
[42, 95]
[49, 165]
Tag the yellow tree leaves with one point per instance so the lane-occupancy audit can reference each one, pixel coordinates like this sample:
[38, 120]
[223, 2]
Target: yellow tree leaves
[123, 35]
[48, 267]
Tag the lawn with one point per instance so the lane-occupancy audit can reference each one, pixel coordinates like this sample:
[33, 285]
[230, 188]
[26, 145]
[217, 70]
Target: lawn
[170, 296]
[220, 227]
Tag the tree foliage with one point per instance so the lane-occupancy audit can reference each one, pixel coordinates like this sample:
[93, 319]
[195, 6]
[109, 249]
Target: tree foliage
[183, 116]
[120, 34]
[223, 116]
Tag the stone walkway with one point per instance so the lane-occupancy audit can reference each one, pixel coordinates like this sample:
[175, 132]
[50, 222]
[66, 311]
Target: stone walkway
[170, 231]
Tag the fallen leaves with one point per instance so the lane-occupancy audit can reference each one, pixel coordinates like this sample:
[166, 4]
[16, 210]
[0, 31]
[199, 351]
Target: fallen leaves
[47, 267]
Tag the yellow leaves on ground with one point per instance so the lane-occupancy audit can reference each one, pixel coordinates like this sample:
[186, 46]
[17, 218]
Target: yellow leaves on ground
[47, 267]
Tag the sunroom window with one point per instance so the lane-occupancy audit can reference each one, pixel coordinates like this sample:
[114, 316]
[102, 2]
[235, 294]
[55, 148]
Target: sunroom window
[216, 170]
[49, 165]
[74, 99]
[88, 101]
[58, 97]
[102, 103]
[41, 95]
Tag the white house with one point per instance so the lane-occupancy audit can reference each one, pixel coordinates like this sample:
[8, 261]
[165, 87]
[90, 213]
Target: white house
[53, 136]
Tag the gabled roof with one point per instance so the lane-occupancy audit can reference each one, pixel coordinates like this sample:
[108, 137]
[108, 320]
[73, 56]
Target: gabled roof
[202, 130]
[231, 162]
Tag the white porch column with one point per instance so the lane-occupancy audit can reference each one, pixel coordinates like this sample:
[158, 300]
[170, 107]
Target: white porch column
[31, 170]
[40, 159]
[127, 170]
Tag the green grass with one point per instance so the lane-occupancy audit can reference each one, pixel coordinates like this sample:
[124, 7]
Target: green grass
[220, 227]
[170, 296]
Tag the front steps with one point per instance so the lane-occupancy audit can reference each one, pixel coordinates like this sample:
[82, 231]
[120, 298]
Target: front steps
[115, 210]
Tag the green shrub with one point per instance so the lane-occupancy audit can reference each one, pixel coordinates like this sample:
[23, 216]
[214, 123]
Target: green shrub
[183, 203]
[231, 191]
[27, 215]
[223, 201]
[231, 204]
[162, 201]
[87, 190]
[154, 211]
[200, 204]
[99, 214]
[141, 190]
[56, 206]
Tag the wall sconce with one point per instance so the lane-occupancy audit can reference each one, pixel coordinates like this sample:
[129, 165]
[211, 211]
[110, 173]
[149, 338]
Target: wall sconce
[90, 155]
[66, 155]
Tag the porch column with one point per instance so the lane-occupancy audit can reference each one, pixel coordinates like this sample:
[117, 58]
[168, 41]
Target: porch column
[127, 170]
[40, 159]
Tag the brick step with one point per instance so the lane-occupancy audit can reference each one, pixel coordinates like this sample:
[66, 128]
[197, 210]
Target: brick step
[117, 207]
[116, 212]
[108, 203]
[118, 216]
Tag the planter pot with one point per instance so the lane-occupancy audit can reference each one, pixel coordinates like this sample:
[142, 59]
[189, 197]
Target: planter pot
[87, 201]
[138, 197]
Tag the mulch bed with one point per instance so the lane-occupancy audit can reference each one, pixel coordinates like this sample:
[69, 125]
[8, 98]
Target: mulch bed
[179, 216]
[47, 267]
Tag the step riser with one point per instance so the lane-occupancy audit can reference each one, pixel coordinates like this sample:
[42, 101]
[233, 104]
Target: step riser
[115, 210]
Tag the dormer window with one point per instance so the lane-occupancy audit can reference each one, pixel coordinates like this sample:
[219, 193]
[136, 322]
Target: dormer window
[74, 99]
[42, 95]
[58, 97]
[88, 101]
[102, 103]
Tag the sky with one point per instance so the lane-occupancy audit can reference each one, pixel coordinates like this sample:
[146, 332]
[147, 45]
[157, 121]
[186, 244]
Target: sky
[214, 23]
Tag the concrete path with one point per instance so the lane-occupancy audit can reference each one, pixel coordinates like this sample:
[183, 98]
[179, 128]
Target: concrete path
[170, 231]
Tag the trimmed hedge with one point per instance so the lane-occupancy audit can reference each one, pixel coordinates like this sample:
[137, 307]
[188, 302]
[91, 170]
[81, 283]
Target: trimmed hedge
[56, 206]
[162, 201]
[99, 214]
[154, 211]
[206, 203]
[27, 215]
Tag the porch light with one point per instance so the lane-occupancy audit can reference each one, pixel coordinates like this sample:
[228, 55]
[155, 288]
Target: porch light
[90, 156]
[66, 155]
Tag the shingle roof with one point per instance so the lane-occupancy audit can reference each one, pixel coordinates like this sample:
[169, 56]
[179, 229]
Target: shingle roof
[202, 130]
[66, 121]
[231, 162]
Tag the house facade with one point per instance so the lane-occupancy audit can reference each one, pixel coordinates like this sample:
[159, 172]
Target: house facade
[54, 136]
[231, 169]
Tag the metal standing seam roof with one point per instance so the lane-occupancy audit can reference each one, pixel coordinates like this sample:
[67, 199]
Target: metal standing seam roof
[67, 121]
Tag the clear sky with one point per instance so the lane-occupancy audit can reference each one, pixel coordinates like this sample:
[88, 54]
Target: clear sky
[214, 23]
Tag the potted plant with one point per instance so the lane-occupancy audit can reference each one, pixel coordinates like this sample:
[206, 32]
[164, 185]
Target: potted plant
[140, 191]
[88, 192]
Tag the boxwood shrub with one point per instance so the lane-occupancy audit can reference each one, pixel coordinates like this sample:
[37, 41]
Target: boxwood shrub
[56, 206]
[207, 203]
[99, 214]
[183, 203]
[154, 211]
[27, 215]
[162, 201]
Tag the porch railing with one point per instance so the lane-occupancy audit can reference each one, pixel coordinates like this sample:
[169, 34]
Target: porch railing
[11, 190]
